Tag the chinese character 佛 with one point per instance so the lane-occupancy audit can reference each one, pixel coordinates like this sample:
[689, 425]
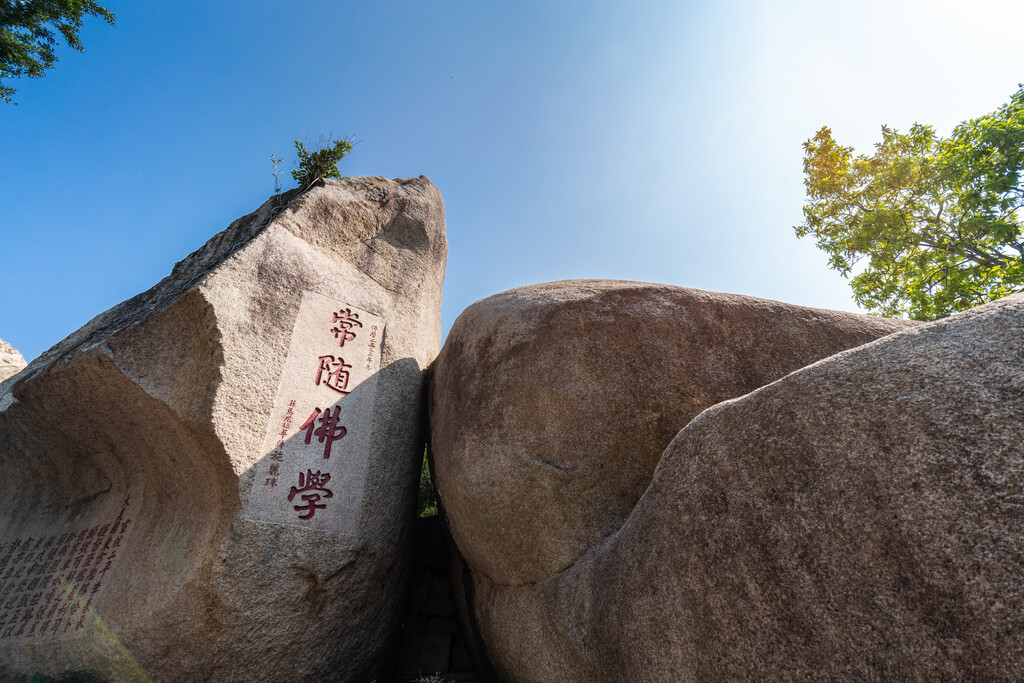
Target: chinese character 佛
[336, 376]
[344, 321]
[329, 430]
[316, 484]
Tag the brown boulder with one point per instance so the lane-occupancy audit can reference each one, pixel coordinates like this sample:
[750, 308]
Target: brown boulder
[215, 480]
[551, 404]
[857, 519]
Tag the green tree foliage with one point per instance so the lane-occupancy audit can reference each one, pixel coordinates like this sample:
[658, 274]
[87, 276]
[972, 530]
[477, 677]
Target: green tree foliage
[932, 224]
[28, 34]
[426, 500]
[320, 163]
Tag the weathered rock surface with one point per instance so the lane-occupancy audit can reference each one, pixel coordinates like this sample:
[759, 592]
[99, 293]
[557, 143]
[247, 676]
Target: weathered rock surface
[551, 404]
[858, 519]
[165, 504]
[11, 361]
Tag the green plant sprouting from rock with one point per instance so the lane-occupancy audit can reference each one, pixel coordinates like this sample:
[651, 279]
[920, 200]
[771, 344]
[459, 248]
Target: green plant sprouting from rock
[321, 162]
[275, 160]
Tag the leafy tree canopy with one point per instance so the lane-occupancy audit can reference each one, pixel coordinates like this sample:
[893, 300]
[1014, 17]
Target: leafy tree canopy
[28, 34]
[933, 225]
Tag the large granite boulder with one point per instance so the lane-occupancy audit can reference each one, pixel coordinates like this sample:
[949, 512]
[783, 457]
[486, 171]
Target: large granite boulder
[11, 361]
[858, 519]
[551, 404]
[215, 480]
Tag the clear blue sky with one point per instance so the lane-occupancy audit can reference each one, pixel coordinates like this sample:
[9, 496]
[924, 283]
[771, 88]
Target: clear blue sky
[643, 140]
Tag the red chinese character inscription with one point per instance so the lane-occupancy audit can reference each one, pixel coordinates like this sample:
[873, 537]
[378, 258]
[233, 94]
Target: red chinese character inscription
[316, 484]
[329, 430]
[344, 321]
[336, 374]
[34, 586]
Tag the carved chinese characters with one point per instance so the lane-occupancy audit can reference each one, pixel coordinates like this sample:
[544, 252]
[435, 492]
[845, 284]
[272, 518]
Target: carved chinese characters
[315, 485]
[48, 584]
[269, 437]
[328, 431]
[315, 457]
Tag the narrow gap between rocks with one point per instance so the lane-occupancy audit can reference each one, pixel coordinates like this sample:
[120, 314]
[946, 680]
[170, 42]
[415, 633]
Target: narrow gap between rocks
[432, 649]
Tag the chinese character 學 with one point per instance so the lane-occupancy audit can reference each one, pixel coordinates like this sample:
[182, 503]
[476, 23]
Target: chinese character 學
[329, 430]
[315, 484]
[336, 374]
[344, 321]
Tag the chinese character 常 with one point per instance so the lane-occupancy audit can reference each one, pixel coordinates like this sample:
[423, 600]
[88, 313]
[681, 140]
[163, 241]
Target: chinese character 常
[311, 485]
[329, 430]
[333, 373]
[344, 321]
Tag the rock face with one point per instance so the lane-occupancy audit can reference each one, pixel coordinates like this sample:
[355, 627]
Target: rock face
[859, 518]
[551, 404]
[215, 479]
[11, 361]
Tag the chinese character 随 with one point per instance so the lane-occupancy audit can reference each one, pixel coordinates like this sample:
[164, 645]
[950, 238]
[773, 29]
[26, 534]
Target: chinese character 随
[311, 486]
[329, 430]
[336, 373]
[344, 321]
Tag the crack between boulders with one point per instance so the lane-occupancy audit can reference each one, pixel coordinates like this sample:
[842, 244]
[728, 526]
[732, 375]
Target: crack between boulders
[589, 550]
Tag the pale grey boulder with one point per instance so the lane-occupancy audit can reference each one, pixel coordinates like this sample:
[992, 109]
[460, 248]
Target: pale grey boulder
[174, 428]
[859, 519]
[11, 361]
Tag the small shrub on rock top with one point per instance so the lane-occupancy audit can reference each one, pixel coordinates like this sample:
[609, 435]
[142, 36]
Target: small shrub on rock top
[321, 162]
